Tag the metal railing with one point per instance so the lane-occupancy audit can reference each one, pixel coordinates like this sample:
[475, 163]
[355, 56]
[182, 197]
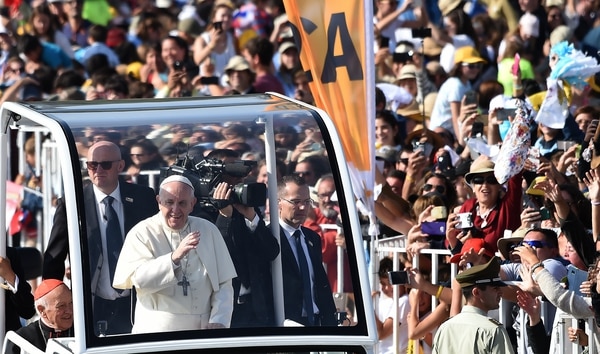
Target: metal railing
[397, 245]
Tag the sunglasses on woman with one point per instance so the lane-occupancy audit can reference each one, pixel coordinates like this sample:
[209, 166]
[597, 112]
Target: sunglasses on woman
[484, 179]
[440, 189]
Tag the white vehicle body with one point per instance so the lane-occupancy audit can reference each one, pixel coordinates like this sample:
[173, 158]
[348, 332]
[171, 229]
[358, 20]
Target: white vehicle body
[64, 124]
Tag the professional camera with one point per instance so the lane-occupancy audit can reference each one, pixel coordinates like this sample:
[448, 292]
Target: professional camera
[208, 173]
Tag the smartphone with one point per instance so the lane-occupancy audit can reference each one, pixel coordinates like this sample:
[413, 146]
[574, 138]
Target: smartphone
[504, 113]
[439, 212]
[423, 32]
[418, 3]
[434, 228]
[477, 129]
[516, 64]
[402, 57]
[564, 145]
[384, 42]
[398, 277]
[178, 66]
[444, 162]
[425, 148]
[544, 213]
[209, 80]
[218, 26]
[471, 98]
[575, 277]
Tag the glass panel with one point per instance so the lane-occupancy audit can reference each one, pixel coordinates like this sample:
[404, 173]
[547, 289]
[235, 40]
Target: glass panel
[151, 150]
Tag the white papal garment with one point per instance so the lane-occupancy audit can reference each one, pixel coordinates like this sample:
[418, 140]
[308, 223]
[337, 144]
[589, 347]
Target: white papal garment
[145, 262]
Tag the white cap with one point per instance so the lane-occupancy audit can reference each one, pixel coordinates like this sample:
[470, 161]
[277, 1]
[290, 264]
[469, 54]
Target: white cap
[176, 178]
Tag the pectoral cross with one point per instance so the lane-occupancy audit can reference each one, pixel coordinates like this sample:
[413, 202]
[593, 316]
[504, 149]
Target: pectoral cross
[184, 283]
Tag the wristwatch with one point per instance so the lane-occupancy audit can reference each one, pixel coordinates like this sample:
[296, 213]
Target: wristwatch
[534, 267]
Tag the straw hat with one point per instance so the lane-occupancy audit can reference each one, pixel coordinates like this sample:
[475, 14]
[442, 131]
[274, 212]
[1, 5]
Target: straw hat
[412, 112]
[433, 138]
[431, 48]
[505, 242]
[408, 71]
[479, 167]
[447, 6]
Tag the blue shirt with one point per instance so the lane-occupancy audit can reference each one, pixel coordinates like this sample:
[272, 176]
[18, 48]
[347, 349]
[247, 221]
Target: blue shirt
[55, 57]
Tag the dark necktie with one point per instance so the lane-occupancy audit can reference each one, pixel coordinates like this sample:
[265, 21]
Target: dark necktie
[306, 288]
[114, 237]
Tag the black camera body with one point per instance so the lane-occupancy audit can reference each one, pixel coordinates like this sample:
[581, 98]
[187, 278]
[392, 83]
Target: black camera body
[208, 173]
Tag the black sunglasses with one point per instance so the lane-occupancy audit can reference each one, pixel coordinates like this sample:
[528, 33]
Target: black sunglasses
[106, 165]
[404, 160]
[472, 65]
[482, 179]
[440, 189]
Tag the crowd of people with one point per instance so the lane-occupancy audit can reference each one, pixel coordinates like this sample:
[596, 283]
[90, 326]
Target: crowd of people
[75, 50]
[445, 103]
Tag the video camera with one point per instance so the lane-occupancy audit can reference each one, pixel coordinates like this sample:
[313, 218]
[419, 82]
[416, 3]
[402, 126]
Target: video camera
[208, 173]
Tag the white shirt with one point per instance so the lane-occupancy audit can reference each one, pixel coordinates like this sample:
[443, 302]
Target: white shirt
[104, 288]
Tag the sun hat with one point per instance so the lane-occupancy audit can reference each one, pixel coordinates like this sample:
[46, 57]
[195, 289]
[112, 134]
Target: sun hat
[505, 242]
[468, 55]
[285, 46]
[431, 48]
[408, 71]
[479, 167]
[447, 6]
[433, 138]
[412, 112]
[560, 34]
[387, 153]
[237, 63]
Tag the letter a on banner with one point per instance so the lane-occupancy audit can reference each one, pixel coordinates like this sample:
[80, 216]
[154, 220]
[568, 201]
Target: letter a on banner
[332, 38]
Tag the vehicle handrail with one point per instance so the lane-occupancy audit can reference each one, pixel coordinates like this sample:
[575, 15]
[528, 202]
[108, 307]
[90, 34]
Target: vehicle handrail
[23, 343]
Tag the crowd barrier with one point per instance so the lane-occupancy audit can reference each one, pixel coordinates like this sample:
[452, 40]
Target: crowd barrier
[394, 246]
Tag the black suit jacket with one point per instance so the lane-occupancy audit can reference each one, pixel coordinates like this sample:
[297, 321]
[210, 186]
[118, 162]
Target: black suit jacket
[252, 253]
[19, 304]
[139, 203]
[292, 280]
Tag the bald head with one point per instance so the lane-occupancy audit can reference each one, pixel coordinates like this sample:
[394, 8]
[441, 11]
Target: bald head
[104, 165]
[107, 146]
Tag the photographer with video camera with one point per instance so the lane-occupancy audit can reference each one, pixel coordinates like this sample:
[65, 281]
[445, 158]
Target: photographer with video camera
[233, 207]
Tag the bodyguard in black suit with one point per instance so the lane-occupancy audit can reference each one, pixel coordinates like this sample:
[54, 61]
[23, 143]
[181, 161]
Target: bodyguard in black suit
[18, 300]
[294, 203]
[132, 204]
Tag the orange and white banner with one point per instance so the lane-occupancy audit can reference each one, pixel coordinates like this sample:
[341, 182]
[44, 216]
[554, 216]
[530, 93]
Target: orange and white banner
[333, 38]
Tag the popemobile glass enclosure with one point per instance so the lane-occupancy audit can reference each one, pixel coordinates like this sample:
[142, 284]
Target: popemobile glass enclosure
[64, 131]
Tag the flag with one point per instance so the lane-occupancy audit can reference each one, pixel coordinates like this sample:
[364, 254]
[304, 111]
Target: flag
[335, 39]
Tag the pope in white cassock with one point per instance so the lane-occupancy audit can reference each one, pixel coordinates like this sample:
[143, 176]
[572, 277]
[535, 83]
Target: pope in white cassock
[179, 265]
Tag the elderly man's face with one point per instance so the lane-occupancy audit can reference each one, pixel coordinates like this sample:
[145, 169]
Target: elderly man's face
[176, 201]
[328, 207]
[58, 313]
